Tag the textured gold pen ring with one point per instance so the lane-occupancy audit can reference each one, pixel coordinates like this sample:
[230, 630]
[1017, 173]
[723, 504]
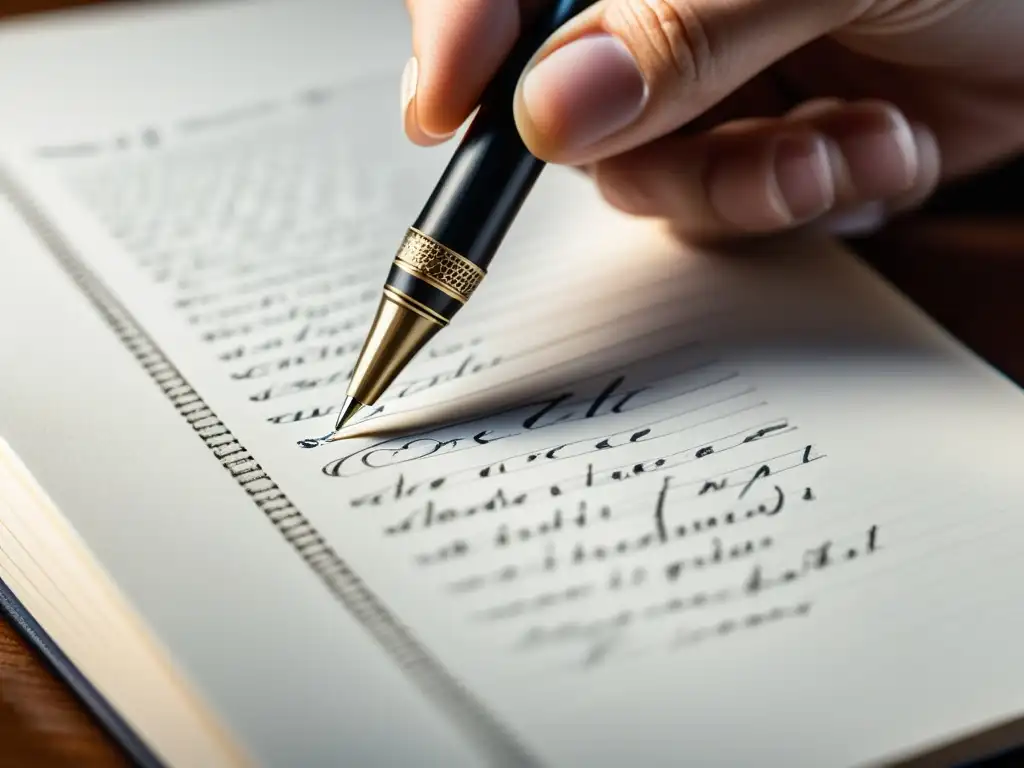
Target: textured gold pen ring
[439, 266]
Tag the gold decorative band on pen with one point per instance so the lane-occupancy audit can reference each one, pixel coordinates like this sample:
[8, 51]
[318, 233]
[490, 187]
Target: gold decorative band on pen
[439, 266]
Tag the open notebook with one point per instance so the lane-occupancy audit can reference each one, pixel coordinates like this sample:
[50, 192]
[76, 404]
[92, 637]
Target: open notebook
[640, 504]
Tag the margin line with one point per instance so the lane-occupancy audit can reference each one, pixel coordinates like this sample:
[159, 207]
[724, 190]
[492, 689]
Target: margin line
[340, 580]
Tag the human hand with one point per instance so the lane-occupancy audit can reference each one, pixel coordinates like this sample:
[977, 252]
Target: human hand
[741, 116]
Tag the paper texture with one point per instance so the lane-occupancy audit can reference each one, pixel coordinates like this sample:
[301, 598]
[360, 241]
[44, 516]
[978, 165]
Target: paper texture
[644, 503]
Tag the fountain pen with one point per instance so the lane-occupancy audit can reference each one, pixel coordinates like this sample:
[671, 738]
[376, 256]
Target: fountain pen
[445, 253]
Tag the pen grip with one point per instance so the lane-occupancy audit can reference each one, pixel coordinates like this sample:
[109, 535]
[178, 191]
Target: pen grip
[491, 173]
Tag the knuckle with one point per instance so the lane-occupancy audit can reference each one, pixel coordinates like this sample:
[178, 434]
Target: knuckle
[669, 37]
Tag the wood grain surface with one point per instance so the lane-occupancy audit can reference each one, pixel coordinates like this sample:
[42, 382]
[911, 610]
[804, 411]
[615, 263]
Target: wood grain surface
[41, 724]
[965, 268]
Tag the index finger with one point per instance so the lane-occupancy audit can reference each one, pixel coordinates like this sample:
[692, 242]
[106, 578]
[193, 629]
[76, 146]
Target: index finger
[458, 45]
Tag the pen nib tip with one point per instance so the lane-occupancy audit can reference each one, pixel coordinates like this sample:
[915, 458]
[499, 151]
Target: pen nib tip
[349, 409]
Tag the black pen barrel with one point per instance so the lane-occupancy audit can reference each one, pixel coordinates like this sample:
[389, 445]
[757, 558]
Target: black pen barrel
[482, 189]
[492, 172]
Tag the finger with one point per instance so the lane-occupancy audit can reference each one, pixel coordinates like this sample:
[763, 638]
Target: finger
[822, 111]
[859, 221]
[770, 175]
[815, 108]
[725, 182]
[457, 47]
[929, 171]
[853, 219]
[626, 72]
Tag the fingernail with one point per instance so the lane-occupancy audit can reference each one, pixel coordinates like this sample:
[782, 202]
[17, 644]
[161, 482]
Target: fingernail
[410, 83]
[802, 186]
[880, 151]
[861, 221]
[410, 76]
[584, 92]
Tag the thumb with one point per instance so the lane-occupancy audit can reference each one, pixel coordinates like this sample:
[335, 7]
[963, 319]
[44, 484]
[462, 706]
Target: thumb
[625, 72]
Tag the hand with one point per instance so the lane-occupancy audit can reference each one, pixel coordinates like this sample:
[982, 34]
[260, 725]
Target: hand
[735, 117]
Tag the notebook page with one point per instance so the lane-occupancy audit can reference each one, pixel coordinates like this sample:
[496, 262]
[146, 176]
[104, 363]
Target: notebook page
[163, 523]
[707, 497]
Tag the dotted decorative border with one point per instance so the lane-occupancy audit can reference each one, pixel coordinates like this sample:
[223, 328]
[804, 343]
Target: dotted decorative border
[339, 579]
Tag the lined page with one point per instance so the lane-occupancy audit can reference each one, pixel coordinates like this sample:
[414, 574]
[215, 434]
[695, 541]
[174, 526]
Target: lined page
[647, 503]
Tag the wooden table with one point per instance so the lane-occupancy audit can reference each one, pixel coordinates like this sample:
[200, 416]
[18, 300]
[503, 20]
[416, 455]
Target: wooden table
[963, 262]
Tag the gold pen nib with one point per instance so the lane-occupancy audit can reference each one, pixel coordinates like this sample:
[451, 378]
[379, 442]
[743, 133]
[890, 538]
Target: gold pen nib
[349, 409]
[400, 329]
